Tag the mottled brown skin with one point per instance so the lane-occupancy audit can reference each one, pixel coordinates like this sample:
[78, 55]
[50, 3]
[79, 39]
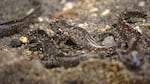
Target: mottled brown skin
[10, 29]
[79, 35]
[132, 56]
[80, 38]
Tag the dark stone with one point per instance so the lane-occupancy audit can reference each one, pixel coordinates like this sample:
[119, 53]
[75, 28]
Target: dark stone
[15, 43]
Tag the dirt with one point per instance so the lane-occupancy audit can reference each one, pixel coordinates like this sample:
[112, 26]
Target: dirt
[75, 41]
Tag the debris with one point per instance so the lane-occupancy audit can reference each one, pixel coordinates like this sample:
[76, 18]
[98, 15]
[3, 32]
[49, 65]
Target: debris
[68, 6]
[105, 12]
[15, 43]
[109, 41]
[24, 39]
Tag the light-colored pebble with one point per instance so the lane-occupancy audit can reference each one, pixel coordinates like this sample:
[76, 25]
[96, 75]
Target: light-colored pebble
[138, 29]
[93, 10]
[109, 41]
[23, 39]
[141, 3]
[83, 25]
[68, 6]
[105, 12]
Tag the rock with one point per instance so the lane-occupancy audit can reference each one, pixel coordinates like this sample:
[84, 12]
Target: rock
[109, 41]
[15, 43]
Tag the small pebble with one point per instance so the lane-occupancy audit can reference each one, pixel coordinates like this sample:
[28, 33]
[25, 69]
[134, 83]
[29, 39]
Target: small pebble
[15, 43]
[141, 3]
[138, 29]
[83, 25]
[109, 41]
[40, 19]
[23, 39]
[68, 6]
[93, 10]
[105, 12]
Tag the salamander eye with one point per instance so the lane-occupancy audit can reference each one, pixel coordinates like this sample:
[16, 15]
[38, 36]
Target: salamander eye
[50, 23]
[141, 59]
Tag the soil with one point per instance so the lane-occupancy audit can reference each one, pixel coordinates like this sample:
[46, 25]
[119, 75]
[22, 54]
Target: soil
[75, 41]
